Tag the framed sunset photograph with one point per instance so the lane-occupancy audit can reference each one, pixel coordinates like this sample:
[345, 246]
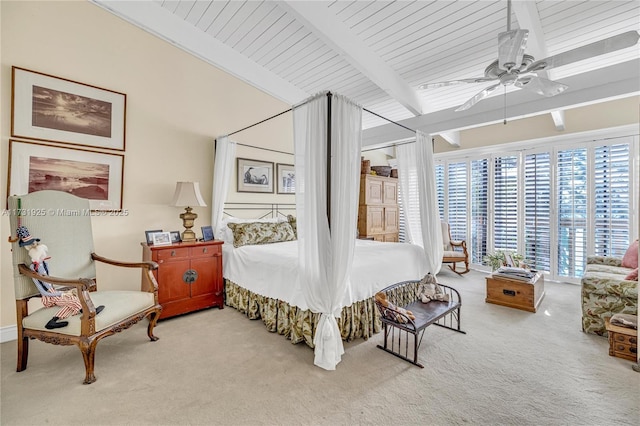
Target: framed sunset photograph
[96, 176]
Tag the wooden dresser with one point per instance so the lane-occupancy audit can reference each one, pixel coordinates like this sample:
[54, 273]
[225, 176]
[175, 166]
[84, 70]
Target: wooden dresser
[189, 275]
[378, 213]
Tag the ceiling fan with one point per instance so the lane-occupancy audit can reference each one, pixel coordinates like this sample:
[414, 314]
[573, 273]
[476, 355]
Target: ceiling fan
[514, 67]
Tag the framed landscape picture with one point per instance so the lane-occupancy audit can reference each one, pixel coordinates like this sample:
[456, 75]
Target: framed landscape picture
[286, 178]
[55, 109]
[96, 176]
[255, 175]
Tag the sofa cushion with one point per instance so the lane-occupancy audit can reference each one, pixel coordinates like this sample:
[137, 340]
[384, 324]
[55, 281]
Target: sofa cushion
[608, 284]
[630, 258]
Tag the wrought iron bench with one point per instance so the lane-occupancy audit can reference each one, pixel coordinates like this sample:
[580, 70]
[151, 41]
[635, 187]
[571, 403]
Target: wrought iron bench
[396, 333]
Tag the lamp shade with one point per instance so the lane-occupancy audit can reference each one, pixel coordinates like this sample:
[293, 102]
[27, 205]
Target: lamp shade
[187, 195]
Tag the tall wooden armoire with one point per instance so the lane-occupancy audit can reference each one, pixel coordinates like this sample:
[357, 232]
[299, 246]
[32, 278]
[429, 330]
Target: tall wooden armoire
[378, 214]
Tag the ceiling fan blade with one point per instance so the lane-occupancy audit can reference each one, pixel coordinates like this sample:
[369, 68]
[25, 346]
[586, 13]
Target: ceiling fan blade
[478, 97]
[511, 46]
[611, 44]
[541, 86]
[452, 82]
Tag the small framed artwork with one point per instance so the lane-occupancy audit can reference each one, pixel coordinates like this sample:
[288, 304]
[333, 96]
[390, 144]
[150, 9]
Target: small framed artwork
[161, 238]
[96, 176]
[286, 178]
[149, 235]
[55, 109]
[255, 176]
[175, 237]
[207, 233]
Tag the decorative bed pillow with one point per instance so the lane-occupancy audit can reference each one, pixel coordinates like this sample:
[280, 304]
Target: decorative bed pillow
[293, 222]
[261, 233]
[227, 235]
[630, 258]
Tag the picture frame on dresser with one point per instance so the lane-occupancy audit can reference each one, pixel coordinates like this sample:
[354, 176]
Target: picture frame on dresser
[56, 109]
[149, 235]
[207, 233]
[175, 237]
[96, 176]
[161, 238]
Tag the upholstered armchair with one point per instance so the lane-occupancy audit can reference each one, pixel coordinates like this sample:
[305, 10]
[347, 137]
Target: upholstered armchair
[454, 251]
[63, 223]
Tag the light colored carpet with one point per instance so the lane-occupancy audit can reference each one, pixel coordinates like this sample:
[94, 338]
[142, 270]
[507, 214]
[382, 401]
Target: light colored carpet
[217, 367]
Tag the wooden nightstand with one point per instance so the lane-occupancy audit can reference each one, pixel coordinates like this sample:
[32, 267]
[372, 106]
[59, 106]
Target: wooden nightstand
[189, 275]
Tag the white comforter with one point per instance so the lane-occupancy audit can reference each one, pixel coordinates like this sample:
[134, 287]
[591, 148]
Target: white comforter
[271, 270]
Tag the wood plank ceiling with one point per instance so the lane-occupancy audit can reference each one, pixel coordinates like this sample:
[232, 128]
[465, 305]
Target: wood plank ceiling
[379, 52]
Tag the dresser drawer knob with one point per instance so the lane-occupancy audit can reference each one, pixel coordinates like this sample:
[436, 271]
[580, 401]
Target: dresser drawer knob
[204, 250]
[633, 340]
[173, 253]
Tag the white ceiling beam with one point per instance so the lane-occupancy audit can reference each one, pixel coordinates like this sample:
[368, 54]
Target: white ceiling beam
[613, 82]
[452, 137]
[324, 24]
[529, 18]
[169, 27]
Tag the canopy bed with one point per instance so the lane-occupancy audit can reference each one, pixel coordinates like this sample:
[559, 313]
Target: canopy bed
[327, 295]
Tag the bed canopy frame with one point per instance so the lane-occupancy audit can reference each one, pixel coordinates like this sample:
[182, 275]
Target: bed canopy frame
[328, 344]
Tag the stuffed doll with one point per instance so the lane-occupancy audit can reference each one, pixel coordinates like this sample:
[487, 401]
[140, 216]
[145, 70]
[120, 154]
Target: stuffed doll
[429, 290]
[389, 312]
[67, 300]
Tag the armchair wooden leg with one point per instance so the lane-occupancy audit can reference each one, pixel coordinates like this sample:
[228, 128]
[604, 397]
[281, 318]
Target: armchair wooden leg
[153, 319]
[88, 350]
[23, 352]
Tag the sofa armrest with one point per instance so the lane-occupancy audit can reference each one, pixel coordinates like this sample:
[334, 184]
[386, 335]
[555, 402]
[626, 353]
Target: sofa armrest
[604, 260]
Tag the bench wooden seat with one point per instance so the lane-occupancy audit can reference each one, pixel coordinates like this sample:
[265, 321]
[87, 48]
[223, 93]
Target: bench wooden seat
[397, 333]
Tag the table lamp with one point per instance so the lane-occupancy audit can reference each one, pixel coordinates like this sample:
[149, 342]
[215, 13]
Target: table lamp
[187, 195]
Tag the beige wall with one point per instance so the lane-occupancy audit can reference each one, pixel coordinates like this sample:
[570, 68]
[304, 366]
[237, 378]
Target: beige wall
[176, 105]
[616, 113]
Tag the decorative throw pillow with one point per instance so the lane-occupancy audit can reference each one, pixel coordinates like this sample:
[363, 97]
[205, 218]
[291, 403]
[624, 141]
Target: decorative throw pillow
[227, 235]
[293, 222]
[630, 258]
[260, 233]
[633, 275]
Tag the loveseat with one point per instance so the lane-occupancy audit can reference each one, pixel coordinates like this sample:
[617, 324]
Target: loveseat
[606, 291]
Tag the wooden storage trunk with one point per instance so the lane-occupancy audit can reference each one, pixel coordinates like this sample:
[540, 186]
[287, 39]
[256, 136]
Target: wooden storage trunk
[515, 294]
[623, 342]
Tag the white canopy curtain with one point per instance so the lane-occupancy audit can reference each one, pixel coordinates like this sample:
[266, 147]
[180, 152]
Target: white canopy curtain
[326, 253]
[225, 153]
[417, 187]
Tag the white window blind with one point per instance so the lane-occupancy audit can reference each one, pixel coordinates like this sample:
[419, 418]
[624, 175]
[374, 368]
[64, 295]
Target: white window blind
[537, 210]
[440, 188]
[505, 198]
[611, 200]
[572, 191]
[479, 210]
[457, 201]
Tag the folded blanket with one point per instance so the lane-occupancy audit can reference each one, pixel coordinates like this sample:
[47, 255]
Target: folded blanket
[625, 320]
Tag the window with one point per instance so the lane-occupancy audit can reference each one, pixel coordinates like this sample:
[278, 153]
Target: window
[555, 203]
[572, 211]
[611, 203]
[457, 200]
[537, 210]
[505, 201]
[477, 244]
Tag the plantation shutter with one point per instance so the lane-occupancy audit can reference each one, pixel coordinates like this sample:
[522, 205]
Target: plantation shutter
[537, 213]
[440, 188]
[479, 210]
[457, 202]
[505, 196]
[611, 196]
[571, 182]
